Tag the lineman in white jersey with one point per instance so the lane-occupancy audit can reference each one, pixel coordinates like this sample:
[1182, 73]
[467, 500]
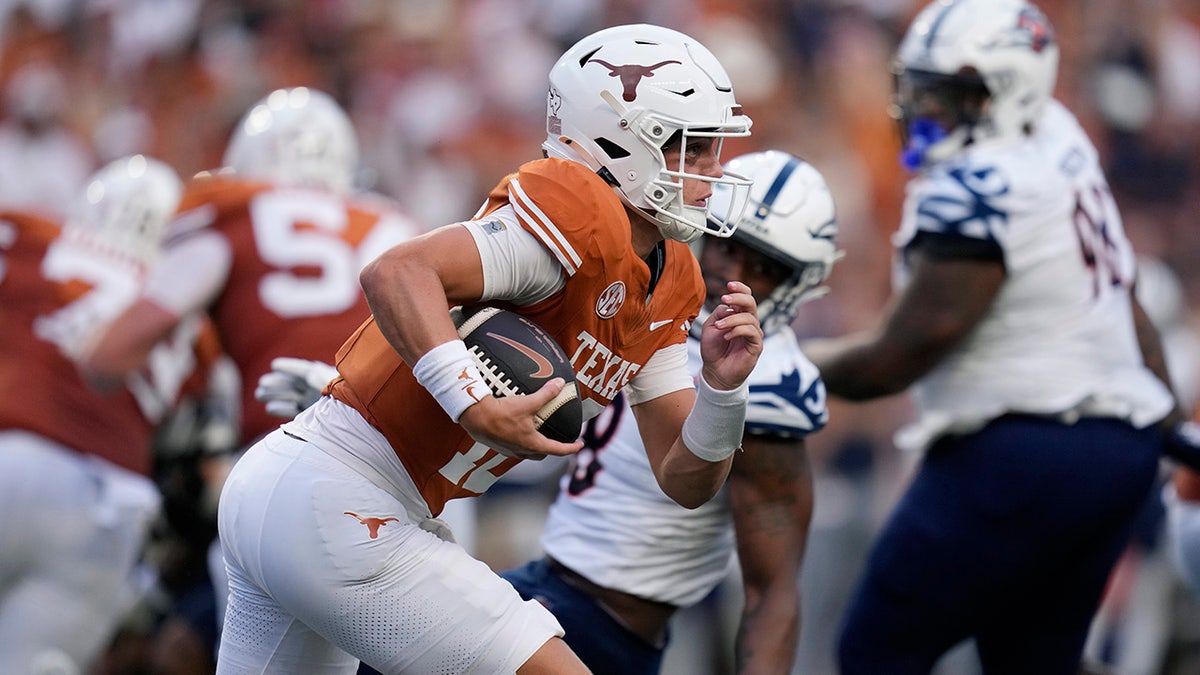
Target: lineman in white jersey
[621, 555]
[1014, 320]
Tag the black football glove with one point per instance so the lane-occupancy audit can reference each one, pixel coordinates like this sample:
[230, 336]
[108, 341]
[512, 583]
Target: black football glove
[1181, 442]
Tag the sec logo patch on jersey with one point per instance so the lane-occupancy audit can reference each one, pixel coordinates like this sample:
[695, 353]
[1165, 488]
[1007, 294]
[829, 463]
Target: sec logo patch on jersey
[517, 356]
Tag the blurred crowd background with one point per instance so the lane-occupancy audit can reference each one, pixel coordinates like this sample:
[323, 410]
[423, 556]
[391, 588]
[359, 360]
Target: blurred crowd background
[449, 95]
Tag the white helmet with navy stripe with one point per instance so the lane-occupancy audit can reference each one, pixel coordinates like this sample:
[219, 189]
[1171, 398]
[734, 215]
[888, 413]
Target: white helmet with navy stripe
[791, 219]
[969, 71]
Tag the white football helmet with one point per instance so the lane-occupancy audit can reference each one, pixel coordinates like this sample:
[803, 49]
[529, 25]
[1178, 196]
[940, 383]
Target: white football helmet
[297, 137]
[125, 207]
[618, 95]
[790, 219]
[971, 70]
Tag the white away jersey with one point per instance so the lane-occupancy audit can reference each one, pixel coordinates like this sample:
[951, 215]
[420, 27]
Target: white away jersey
[1059, 338]
[614, 525]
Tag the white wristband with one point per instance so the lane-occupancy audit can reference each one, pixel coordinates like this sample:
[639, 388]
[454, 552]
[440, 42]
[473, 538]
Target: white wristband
[449, 372]
[713, 429]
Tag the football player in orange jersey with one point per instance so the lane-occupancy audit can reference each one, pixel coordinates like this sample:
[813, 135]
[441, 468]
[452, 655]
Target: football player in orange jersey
[329, 525]
[270, 247]
[75, 489]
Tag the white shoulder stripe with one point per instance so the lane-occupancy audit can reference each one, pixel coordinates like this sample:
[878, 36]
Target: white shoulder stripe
[544, 228]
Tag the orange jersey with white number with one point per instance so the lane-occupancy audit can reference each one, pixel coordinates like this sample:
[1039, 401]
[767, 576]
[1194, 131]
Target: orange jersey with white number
[44, 392]
[604, 318]
[292, 287]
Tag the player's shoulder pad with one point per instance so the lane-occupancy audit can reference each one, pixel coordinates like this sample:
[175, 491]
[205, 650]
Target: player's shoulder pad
[962, 199]
[198, 206]
[29, 226]
[222, 189]
[567, 197]
[375, 202]
[787, 395]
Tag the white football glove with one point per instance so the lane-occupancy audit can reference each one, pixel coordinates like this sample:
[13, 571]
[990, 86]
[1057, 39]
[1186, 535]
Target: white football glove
[292, 385]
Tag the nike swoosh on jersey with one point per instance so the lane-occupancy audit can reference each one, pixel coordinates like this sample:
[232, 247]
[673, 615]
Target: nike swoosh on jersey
[655, 325]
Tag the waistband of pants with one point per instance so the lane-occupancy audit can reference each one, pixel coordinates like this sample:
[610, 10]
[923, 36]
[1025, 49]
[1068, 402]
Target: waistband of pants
[643, 617]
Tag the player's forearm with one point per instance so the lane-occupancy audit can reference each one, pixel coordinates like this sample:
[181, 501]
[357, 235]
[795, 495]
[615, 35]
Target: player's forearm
[689, 480]
[855, 369]
[409, 305]
[769, 631]
[410, 288]
[124, 345]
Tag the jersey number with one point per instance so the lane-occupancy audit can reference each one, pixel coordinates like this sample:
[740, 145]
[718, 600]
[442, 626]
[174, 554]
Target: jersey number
[597, 434]
[1102, 244]
[475, 466]
[302, 234]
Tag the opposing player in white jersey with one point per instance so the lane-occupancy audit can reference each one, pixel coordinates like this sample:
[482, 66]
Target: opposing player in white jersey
[1014, 318]
[621, 556]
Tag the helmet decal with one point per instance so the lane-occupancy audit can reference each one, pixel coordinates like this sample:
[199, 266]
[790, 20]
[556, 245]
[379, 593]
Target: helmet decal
[553, 106]
[630, 75]
[1033, 22]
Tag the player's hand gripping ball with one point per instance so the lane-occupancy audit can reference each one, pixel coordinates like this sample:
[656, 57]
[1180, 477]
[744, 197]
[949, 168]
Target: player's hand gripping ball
[517, 356]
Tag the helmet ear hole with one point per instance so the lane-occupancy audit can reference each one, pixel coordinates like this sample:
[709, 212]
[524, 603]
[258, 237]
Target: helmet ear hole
[612, 150]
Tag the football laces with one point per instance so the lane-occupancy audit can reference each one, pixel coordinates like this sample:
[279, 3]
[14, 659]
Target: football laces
[500, 383]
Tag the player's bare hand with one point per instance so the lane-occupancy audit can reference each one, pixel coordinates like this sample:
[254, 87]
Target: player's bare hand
[508, 424]
[732, 338]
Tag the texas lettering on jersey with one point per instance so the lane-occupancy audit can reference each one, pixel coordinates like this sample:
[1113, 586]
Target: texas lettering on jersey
[601, 318]
[599, 369]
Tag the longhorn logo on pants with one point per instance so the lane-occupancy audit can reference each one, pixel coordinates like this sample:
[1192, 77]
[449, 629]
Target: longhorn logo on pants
[373, 524]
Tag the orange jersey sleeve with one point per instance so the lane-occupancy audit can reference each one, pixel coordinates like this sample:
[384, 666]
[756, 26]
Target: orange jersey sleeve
[606, 319]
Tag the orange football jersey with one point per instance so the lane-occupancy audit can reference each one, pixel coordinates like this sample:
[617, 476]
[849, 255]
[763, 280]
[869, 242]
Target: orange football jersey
[292, 288]
[44, 392]
[605, 319]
